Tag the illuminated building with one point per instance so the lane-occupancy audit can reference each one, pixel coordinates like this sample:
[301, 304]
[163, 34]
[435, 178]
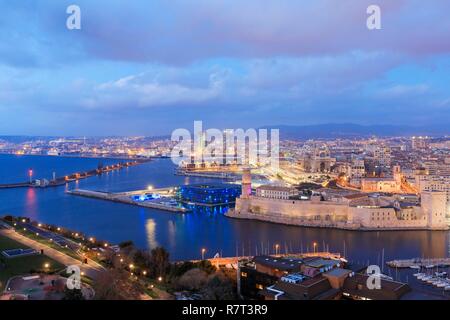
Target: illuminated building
[208, 194]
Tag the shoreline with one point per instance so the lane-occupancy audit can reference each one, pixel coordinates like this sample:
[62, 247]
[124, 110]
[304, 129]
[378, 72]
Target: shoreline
[274, 220]
[120, 198]
[85, 157]
[60, 181]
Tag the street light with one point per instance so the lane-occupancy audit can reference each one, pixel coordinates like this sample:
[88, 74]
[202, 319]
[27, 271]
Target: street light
[150, 187]
[47, 265]
[160, 279]
[131, 266]
[203, 253]
[276, 248]
[315, 245]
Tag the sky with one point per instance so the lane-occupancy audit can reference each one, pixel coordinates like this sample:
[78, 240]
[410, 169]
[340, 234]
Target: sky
[148, 67]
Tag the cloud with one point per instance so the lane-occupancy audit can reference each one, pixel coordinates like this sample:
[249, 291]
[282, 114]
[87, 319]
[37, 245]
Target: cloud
[137, 91]
[182, 32]
[229, 62]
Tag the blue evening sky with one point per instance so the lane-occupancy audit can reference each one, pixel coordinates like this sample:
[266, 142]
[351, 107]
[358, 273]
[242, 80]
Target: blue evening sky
[145, 67]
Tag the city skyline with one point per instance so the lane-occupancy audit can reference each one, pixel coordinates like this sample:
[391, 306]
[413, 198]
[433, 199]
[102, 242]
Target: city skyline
[230, 66]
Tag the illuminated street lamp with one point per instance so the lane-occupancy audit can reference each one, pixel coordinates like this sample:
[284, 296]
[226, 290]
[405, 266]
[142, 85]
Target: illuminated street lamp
[144, 273]
[47, 265]
[150, 188]
[131, 266]
[203, 253]
[314, 246]
[276, 248]
[160, 279]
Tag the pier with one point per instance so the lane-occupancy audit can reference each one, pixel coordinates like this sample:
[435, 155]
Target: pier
[125, 197]
[224, 261]
[58, 181]
[420, 262]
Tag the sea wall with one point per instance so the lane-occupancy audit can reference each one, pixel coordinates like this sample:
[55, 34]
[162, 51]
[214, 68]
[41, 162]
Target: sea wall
[328, 214]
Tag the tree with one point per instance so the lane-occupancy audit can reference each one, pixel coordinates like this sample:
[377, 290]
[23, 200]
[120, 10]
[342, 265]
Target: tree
[141, 258]
[206, 266]
[178, 269]
[159, 261]
[219, 288]
[73, 294]
[125, 244]
[194, 279]
[115, 284]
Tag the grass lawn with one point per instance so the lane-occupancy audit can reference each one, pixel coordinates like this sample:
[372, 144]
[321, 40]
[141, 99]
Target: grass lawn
[22, 265]
[47, 242]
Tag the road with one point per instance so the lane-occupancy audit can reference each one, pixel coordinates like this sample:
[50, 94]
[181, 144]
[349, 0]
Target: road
[92, 269]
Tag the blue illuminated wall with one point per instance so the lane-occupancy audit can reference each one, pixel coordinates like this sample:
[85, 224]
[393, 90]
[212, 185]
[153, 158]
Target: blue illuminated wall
[209, 194]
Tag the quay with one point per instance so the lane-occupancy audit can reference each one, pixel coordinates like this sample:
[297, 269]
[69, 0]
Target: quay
[419, 262]
[212, 175]
[71, 177]
[232, 261]
[125, 197]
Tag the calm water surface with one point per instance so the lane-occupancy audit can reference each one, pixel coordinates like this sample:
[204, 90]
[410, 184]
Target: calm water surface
[183, 235]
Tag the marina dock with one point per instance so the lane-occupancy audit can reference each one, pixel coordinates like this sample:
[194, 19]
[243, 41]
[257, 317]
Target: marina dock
[125, 197]
[419, 262]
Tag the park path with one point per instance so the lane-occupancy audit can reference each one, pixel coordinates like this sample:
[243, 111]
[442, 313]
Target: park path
[92, 269]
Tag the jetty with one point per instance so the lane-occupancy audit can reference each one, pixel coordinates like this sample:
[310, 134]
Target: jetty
[160, 204]
[58, 181]
[218, 261]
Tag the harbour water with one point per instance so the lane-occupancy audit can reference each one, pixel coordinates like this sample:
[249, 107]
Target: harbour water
[183, 235]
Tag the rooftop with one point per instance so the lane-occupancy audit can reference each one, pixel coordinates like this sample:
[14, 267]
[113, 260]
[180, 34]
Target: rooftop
[278, 263]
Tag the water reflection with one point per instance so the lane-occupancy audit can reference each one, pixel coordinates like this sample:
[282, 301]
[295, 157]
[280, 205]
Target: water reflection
[150, 229]
[30, 202]
[185, 234]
